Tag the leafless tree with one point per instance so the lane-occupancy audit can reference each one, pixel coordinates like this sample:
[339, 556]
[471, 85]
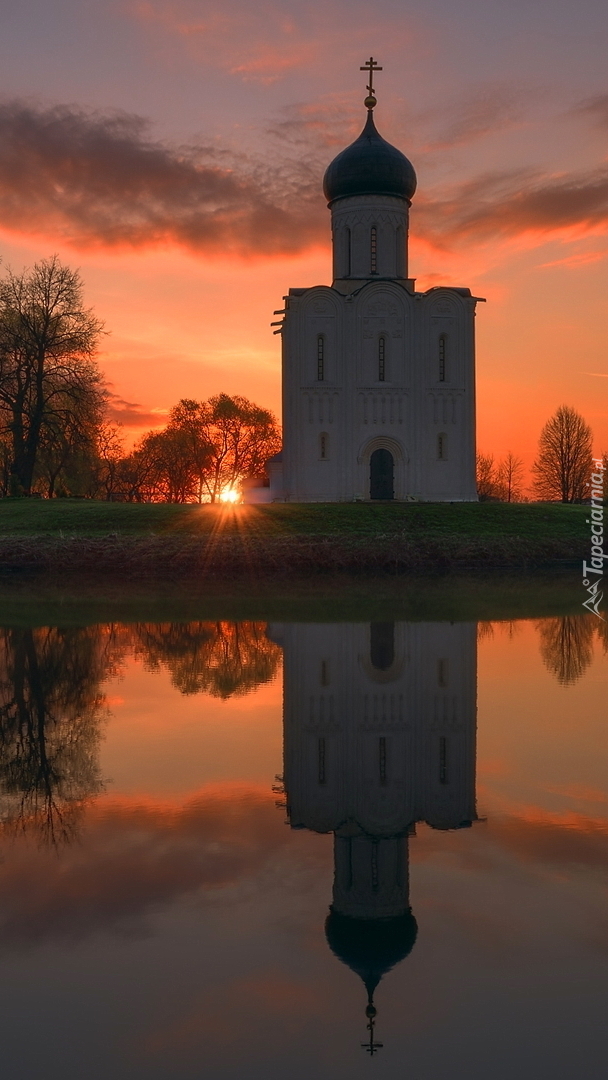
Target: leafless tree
[487, 480]
[509, 478]
[51, 710]
[563, 465]
[109, 455]
[48, 341]
[566, 646]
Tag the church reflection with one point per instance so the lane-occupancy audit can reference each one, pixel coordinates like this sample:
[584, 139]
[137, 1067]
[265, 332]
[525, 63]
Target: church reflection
[379, 729]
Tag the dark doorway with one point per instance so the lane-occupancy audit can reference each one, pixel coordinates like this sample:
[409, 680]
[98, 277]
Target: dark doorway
[381, 475]
[382, 645]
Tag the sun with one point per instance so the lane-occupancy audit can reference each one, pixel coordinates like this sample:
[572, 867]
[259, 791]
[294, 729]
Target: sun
[230, 495]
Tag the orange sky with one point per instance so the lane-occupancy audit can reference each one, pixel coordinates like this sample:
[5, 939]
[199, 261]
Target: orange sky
[175, 153]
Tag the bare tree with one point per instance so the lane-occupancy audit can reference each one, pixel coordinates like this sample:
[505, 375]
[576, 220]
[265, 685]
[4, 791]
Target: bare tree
[487, 481]
[109, 455]
[48, 341]
[509, 478]
[566, 646]
[51, 711]
[563, 465]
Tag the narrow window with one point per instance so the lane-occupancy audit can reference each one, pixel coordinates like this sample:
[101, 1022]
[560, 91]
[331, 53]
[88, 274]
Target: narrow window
[324, 673]
[348, 250]
[323, 446]
[381, 359]
[400, 253]
[374, 250]
[442, 351]
[382, 759]
[442, 672]
[374, 866]
[443, 760]
[321, 752]
[442, 447]
[320, 358]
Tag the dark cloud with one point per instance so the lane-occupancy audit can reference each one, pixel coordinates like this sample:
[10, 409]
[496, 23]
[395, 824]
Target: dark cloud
[100, 179]
[130, 413]
[513, 203]
[93, 179]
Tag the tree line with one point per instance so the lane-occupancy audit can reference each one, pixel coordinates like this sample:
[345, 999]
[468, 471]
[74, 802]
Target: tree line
[560, 472]
[56, 439]
[55, 436]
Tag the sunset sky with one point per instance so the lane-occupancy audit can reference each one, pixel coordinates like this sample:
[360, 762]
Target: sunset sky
[174, 151]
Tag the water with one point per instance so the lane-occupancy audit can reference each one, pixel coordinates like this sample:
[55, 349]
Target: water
[223, 842]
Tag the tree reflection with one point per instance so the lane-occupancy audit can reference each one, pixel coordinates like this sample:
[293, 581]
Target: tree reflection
[566, 646]
[51, 710]
[221, 658]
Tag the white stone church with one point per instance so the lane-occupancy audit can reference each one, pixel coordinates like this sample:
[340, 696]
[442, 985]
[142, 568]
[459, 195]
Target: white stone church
[378, 379]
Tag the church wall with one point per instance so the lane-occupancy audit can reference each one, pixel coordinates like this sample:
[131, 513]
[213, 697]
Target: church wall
[363, 739]
[422, 411]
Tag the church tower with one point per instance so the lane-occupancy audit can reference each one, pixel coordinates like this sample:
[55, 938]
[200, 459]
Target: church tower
[378, 379]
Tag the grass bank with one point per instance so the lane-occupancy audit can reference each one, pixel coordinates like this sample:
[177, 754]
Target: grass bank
[163, 541]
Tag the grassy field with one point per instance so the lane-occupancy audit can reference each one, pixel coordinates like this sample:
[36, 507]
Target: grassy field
[122, 541]
[87, 518]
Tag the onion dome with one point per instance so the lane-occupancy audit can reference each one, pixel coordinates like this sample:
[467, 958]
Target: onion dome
[370, 947]
[369, 166]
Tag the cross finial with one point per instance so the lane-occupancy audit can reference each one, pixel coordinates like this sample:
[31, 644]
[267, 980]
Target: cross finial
[371, 1046]
[371, 66]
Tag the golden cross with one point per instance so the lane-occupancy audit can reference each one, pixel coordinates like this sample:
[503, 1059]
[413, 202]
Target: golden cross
[371, 66]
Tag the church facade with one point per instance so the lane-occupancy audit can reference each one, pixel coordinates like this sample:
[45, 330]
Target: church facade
[378, 379]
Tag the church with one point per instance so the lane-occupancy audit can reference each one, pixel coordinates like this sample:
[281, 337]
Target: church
[378, 379]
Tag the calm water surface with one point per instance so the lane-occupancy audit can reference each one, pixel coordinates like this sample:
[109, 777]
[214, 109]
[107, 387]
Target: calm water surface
[235, 850]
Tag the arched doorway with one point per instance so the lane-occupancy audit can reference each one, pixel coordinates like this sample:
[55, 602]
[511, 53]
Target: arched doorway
[381, 475]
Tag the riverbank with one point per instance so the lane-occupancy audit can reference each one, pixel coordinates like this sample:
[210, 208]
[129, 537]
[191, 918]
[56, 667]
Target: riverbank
[158, 541]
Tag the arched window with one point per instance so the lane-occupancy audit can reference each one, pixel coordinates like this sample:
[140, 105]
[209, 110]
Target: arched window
[442, 351]
[320, 358]
[323, 446]
[442, 447]
[374, 250]
[381, 359]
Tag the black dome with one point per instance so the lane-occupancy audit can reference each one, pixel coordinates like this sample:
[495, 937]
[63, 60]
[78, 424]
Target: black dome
[370, 947]
[369, 166]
